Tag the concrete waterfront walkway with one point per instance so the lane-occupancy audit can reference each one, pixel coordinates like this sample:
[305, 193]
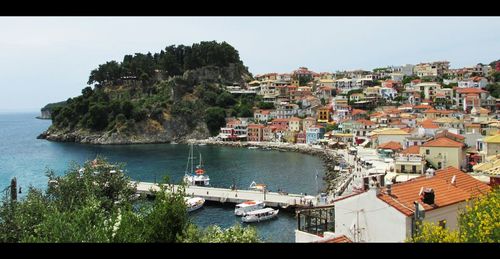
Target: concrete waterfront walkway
[223, 195]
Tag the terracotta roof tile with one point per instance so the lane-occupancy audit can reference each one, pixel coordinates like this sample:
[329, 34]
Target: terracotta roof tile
[280, 120]
[393, 145]
[366, 122]
[357, 111]
[442, 142]
[404, 194]
[411, 150]
[446, 133]
[431, 110]
[422, 106]
[428, 124]
[255, 126]
[470, 91]
[339, 239]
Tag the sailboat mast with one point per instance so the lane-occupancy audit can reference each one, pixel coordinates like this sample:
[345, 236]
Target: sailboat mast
[192, 158]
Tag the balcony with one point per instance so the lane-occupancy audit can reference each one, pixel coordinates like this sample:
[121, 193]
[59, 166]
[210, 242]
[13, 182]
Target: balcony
[409, 159]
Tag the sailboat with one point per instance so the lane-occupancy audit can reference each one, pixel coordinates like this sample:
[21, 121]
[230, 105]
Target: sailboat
[195, 176]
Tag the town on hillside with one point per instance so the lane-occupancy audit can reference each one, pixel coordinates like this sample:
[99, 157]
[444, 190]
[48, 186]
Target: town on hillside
[414, 138]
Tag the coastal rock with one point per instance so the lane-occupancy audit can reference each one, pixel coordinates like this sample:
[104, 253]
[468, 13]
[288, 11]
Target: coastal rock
[173, 130]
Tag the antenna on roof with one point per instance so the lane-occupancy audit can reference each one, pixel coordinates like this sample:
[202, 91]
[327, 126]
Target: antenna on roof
[454, 180]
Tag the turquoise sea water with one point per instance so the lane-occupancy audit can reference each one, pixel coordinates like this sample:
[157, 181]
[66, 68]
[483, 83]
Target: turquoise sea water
[27, 158]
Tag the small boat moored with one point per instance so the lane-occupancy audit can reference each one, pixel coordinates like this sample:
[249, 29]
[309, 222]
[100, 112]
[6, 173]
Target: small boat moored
[198, 179]
[194, 203]
[260, 215]
[247, 206]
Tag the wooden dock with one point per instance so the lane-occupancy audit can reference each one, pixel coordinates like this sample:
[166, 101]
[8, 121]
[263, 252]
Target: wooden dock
[272, 199]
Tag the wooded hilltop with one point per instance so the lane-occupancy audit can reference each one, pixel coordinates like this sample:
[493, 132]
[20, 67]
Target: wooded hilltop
[172, 95]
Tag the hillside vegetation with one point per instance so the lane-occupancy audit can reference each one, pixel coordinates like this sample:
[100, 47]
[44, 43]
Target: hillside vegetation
[170, 93]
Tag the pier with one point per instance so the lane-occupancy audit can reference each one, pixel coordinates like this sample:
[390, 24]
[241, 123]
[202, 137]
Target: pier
[222, 195]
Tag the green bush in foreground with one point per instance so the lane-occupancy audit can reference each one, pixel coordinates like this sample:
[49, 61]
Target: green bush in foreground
[96, 205]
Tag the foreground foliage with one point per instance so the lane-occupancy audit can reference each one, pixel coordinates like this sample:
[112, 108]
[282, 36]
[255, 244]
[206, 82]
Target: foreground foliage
[96, 204]
[479, 222]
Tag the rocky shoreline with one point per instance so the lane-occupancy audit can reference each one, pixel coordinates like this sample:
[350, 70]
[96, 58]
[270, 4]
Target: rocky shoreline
[336, 181]
[111, 139]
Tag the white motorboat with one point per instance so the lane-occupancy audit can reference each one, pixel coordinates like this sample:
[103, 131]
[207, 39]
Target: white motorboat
[252, 147]
[195, 177]
[260, 215]
[247, 206]
[193, 204]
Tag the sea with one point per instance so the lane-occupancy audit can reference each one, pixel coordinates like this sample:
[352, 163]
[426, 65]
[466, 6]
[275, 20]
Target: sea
[28, 159]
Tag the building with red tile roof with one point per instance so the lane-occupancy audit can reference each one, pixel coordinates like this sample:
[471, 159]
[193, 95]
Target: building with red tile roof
[392, 145]
[443, 142]
[442, 152]
[255, 132]
[415, 150]
[387, 214]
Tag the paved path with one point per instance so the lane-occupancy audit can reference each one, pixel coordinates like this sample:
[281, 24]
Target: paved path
[273, 199]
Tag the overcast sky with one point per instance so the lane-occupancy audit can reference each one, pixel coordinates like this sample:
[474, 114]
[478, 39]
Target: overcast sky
[48, 59]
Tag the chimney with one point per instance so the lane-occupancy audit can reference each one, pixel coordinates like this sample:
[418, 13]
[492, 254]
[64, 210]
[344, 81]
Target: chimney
[428, 196]
[389, 189]
[374, 185]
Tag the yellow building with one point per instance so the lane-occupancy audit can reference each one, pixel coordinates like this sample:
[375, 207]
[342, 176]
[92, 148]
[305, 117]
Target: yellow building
[492, 145]
[323, 114]
[294, 124]
[443, 152]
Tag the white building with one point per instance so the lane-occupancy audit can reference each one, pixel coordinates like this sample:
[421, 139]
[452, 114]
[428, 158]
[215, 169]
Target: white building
[406, 70]
[475, 82]
[389, 214]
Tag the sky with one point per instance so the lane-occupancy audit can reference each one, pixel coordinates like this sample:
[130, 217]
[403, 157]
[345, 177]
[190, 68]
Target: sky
[49, 59]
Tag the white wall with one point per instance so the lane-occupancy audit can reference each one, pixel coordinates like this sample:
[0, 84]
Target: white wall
[378, 221]
[448, 213]
[304, 237]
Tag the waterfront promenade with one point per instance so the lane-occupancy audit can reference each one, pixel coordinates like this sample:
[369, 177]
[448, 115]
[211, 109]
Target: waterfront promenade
[222, 195]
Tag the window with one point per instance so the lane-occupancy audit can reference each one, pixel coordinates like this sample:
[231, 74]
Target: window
[440, 165]
[427, 152]
[442, 223]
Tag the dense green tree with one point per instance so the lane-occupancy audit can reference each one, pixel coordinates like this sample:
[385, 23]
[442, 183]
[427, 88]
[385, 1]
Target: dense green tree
[245, 111]
[98, 117]
[265, 105]
[225, 99]
[494, 89]
[408, 79]
[215, 119]
[210, 98]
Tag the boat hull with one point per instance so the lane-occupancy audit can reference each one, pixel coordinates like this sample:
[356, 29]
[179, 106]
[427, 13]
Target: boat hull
[253, 218]
[193, 204]
[243, 211]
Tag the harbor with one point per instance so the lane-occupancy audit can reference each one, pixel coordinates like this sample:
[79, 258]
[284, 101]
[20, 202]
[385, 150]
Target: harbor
[222, 195]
